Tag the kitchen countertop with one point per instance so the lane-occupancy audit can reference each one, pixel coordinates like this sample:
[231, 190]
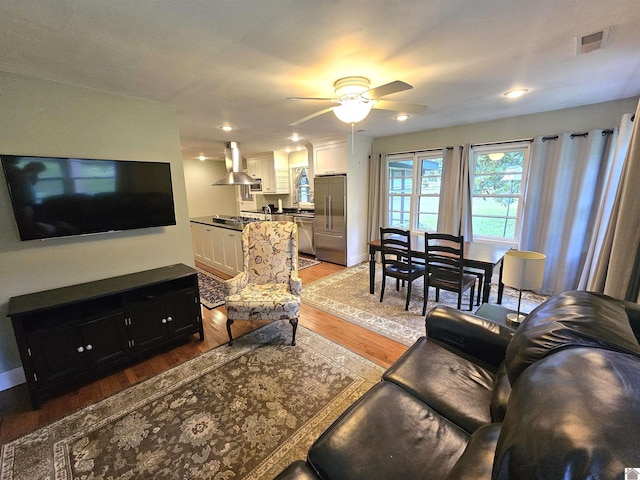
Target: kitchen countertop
[285, 211]
[209, 221]
[221, 223]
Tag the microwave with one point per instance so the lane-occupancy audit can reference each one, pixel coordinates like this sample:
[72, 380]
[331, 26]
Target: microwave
[256, 187]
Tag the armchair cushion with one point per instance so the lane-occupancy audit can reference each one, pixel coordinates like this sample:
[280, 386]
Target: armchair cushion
[270, 301]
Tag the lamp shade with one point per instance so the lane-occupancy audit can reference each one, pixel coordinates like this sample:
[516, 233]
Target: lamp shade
[523, 270]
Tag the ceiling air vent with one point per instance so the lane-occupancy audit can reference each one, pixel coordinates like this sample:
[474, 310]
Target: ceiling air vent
[591, 42]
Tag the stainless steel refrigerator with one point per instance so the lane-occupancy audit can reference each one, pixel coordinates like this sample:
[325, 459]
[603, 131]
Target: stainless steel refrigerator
[330, 233]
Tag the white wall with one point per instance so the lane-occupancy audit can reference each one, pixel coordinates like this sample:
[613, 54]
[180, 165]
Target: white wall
[40, 117]
[204, 199]
[578, 119]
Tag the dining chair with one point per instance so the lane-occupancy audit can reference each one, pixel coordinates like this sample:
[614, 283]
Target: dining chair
[397, 261]
[268, 288]
[445, 267]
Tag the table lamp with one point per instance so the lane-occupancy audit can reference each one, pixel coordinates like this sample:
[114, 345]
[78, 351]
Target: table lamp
[522, 270]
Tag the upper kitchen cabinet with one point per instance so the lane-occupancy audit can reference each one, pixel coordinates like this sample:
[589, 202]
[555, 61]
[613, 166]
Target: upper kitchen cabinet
[273, 169]
[330, 157]
[348, 155]
[341, 155]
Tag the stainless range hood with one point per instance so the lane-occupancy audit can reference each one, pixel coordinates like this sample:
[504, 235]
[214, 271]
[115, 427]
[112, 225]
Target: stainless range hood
[233, 160]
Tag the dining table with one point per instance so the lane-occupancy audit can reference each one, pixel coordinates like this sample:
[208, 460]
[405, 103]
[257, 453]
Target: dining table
[483, 256]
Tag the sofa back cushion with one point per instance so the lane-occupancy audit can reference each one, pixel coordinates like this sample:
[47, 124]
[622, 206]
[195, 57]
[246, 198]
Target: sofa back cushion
[570, 319]
[574, 414]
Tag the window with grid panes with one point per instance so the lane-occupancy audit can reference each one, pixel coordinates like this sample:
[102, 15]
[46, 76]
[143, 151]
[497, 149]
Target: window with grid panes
[414, 191]
[498, 190]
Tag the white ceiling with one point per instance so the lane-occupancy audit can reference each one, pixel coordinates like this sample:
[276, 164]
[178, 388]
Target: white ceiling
[236, 61]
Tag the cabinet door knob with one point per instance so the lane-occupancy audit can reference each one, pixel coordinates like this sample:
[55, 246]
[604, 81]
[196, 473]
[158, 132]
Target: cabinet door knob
[164, 320]
[89, 347]
[169, 319]
[80, 349]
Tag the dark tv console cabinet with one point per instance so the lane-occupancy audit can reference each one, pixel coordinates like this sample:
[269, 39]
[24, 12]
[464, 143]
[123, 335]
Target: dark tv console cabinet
[72, 334]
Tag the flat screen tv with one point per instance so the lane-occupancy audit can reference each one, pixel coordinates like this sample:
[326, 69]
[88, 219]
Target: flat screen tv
[61, 197]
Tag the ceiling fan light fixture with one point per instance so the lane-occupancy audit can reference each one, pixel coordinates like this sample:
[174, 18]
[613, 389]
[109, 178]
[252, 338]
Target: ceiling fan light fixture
[352, 111]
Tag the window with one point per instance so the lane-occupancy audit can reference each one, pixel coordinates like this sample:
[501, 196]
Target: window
[414, 190]
[498, 190]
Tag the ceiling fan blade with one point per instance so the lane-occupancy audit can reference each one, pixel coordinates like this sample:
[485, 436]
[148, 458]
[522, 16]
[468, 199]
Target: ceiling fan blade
[313, 98]
[313, 115]
[399, 106]
[387, 89]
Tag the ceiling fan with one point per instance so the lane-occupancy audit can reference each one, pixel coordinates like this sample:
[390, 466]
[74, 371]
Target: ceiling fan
[355, 100]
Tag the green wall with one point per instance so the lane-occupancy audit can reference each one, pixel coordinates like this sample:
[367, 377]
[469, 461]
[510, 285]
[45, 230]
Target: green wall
[41, 117]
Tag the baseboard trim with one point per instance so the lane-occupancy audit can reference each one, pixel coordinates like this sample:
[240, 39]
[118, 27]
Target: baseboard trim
[11, 378]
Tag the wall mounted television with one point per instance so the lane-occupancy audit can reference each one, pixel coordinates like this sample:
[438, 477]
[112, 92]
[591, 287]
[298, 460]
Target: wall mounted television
[61, 197]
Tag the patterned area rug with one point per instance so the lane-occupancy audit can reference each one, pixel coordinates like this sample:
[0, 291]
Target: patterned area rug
[345, 294]
[241, 412]
[212, 290]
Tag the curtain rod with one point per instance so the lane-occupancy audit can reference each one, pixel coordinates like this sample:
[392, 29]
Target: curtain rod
[421, 151]
[574, 135]
[502, 143]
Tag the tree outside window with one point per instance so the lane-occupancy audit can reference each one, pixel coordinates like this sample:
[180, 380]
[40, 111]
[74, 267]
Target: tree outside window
[498, 190]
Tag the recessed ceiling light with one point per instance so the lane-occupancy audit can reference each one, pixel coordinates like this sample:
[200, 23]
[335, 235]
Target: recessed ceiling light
[202, 158]
[298, 148]
[288, 150]
[401, 117]
[226, 128]
[516, 93]
[295, 137]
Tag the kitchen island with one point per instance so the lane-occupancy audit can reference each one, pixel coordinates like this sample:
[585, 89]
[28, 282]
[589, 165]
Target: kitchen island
[217, 242]
[217, 238]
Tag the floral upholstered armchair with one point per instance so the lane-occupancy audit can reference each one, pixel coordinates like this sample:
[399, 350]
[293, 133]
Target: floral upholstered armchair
[269, 287]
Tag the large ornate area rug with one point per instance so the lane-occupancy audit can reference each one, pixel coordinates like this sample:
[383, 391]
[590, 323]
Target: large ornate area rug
[212, 290]
[345, 294]
[241, 412]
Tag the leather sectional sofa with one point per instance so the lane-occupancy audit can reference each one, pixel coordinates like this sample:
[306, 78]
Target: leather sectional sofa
[557, 399]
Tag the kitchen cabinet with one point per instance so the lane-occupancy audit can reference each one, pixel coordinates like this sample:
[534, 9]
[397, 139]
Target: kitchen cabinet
[273, 169]
[72, 334]
[330, 157]
[197, 238]
[232, 246]
[217, 247]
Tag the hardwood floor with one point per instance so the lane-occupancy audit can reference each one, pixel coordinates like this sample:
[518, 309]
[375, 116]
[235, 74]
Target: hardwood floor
[18, 418]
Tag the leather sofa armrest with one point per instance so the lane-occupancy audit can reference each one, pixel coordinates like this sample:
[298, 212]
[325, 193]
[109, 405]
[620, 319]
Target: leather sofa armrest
[475, 336]
[633, 312]
[298, 470]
